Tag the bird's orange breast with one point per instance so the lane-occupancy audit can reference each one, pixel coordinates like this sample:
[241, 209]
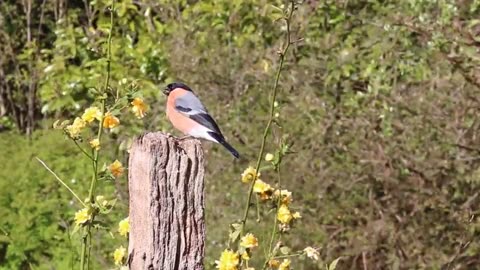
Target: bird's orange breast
[179, 121]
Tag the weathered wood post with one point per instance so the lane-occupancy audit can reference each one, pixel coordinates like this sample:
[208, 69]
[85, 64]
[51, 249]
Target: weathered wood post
[167, 226]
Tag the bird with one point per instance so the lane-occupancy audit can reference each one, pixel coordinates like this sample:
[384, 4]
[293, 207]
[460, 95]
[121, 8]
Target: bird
[187, 114]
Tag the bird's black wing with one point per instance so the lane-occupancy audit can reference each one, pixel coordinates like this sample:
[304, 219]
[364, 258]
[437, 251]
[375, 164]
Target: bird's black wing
[207, 121]
[190, 106]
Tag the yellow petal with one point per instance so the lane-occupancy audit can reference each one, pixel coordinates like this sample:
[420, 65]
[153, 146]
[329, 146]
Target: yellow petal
[249, 241]
[119, 255]
[124, 227]
[110, 121]
[116, 168]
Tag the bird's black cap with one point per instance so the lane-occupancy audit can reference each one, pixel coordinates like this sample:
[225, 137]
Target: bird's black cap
[172, 86]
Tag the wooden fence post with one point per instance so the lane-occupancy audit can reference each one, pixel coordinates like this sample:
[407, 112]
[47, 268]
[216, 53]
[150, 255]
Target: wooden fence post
[166, 189]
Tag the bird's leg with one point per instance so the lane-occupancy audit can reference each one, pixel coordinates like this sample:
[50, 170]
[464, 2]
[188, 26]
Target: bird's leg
[185, 138]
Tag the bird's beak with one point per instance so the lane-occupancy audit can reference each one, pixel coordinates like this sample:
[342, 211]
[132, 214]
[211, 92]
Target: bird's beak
[166, 91]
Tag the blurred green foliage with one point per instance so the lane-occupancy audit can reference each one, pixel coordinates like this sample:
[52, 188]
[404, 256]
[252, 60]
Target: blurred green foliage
[37, 211]
[379, 97]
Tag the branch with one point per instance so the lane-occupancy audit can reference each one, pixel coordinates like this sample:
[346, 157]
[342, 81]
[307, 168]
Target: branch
[61, 181]
[282, 55]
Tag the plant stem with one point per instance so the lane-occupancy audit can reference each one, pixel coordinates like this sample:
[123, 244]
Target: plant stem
[271, 116]
[288, 256]
[274, 229]
[61, 181]
[83, 150]
[105, 88]
[84, 249]
[91, 194]
[89, 248]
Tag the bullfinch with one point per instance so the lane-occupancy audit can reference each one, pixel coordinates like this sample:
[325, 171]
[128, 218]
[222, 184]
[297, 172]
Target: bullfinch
[187, 114]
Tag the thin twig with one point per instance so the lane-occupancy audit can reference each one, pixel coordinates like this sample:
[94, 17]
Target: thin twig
[83, 150]
[61, 181]
[87, 236]
[271, 117]
[274, 229]
[289, 255]
[364, 260]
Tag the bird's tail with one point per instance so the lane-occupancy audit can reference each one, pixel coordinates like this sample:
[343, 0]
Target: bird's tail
[230, 148]
[219, 138]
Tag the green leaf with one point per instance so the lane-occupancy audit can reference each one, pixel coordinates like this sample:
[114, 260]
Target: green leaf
[75, 229]
[235, 230]
[333, 265]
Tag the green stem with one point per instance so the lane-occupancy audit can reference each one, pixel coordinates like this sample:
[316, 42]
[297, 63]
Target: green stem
[258, 209]
[89, 248]
[83, 150]
[275, 222]
[288, 256]
[61, 181]
[105, 89]
[271, 117]
[84, 249]
[93, 184]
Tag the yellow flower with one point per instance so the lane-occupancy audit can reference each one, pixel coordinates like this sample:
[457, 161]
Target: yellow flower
[286, 195]
[110, 121]
[124, 227]
[119, 255]
[228, 260]
[311, 253]
[249, 241]
[263, 189]
[249, 175]
[139, 108]
[284, 215]
[249, 268]
[101, 200]
[285, 265]
[272, 263]
[296, 215]
[245, 256]
[269, 157]
[95, 144]
[116, 168]
[91, 114]
[75, 128]
[82, 216]
[266, 65]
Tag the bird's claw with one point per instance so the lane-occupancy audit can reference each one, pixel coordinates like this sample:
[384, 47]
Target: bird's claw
[185, 138]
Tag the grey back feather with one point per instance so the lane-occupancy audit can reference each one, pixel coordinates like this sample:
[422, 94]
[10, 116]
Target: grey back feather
[190, 104]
